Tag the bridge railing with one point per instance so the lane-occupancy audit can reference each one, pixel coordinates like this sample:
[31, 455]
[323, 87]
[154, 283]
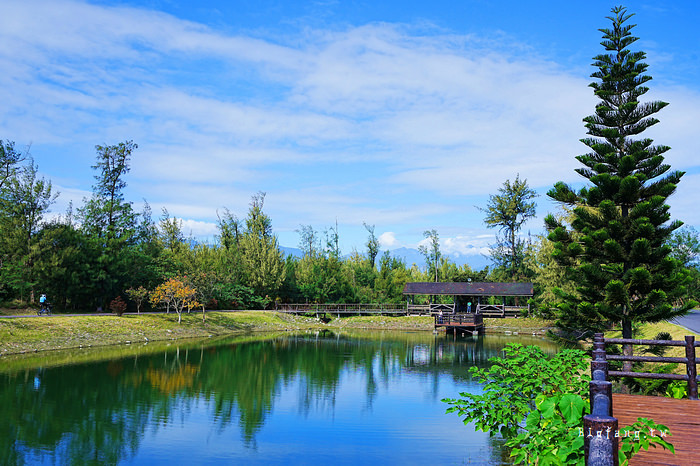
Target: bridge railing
[458, 319]
[303, 308]
[499, 310]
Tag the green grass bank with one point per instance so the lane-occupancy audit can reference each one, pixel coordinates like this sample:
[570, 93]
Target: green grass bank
[29, 334]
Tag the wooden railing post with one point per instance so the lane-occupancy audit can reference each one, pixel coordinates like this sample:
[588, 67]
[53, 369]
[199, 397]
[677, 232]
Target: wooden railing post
[691, 368]
[600, 440]
[599, 427]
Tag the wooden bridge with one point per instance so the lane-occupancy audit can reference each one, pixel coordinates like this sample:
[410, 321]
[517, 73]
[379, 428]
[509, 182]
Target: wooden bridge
[608, 410]
[460, 323]
[345, 309]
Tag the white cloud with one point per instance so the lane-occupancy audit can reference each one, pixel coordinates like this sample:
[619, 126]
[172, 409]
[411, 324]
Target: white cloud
[466, 245]
[388, 240]
[378, 123]
[198, 229]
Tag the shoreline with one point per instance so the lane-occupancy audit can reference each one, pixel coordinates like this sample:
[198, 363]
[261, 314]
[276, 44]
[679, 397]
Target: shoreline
[33, 335]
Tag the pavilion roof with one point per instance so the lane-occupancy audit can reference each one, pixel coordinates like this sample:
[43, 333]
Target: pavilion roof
[469, 289]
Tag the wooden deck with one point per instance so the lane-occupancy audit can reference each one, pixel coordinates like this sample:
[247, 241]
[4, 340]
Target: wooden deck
[682, 417]
[460, 323]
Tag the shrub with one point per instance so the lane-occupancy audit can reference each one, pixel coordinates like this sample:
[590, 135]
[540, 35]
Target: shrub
[118, 306]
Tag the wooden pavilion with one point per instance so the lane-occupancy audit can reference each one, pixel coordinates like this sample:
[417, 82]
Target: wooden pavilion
[475, 297]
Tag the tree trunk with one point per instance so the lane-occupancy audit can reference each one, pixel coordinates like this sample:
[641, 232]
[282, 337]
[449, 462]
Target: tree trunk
[627, 350]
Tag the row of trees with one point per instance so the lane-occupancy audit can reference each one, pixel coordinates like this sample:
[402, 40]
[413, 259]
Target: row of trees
[84, 259]
[87, 257]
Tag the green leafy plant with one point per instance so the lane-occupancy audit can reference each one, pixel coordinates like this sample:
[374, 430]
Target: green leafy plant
[555, 417]
[513, 383]
[537, 403]
[641, 435]
[677, 389]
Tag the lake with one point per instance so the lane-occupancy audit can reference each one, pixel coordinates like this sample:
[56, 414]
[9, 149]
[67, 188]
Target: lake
[311, 398]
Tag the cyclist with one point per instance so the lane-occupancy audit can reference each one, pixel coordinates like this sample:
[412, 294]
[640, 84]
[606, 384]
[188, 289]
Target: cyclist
[45, 306]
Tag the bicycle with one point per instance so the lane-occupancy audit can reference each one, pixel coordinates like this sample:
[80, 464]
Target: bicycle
[46, 308]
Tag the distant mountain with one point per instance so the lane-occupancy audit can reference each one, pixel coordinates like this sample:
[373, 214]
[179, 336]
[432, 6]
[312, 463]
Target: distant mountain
[295, 252]
[413, 256]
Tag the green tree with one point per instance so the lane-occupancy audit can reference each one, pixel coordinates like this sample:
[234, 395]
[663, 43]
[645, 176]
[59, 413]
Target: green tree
[685, 246]
[9, 162]
[262, 258]
[372, 245]
[170, 229]
[509, 210]
[621, 261]
[229, 239]
[431, 252]
[391, 279]
[107, 214]
[23, 204]
[109, 220]
[67, 268]
[138, 296]
[308, 241]
[333, 242]
[229, 230]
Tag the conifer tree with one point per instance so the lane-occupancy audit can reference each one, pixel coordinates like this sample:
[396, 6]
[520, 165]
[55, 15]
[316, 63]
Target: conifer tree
[620, 258]
[262, 259]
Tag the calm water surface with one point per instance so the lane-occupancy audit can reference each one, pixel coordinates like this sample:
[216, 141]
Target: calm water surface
[327, 398]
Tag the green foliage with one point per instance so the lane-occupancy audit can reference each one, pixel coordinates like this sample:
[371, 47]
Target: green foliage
[555, 417]
[677, 389]
[513, 383]
[616, 251]
[537, 403]
[262, 259]
[372, 245]
[139, 296]
[24, 200]
[431, 252]
[508, 211]
[640, 435]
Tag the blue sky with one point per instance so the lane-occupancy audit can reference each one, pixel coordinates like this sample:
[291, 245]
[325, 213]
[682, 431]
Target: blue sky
[405, 115]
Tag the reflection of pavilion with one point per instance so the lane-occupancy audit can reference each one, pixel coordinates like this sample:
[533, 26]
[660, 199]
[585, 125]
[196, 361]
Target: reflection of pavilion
[470, 297]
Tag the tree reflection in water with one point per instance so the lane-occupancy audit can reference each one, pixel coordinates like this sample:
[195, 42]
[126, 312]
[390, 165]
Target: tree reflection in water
[100, 412]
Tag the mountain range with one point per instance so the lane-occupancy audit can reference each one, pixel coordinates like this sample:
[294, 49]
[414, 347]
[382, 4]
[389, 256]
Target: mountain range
[412, 256]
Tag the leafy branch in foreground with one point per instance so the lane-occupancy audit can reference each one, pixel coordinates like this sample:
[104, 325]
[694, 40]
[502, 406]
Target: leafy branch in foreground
[537, 403]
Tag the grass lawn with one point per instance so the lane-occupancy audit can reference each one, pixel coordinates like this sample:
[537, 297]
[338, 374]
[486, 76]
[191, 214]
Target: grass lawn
[24, 335]
[649, 332]
[57, 332]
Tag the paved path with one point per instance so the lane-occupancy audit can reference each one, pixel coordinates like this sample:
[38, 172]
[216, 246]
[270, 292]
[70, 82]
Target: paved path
[691, 321]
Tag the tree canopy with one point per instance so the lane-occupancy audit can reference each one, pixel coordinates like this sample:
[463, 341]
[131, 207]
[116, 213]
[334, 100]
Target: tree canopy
[508, 211]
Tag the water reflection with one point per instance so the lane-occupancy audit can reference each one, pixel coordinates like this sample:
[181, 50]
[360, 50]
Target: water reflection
[316, 397]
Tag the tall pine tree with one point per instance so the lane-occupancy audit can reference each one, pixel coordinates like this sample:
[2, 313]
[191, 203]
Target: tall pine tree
[619, 259]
